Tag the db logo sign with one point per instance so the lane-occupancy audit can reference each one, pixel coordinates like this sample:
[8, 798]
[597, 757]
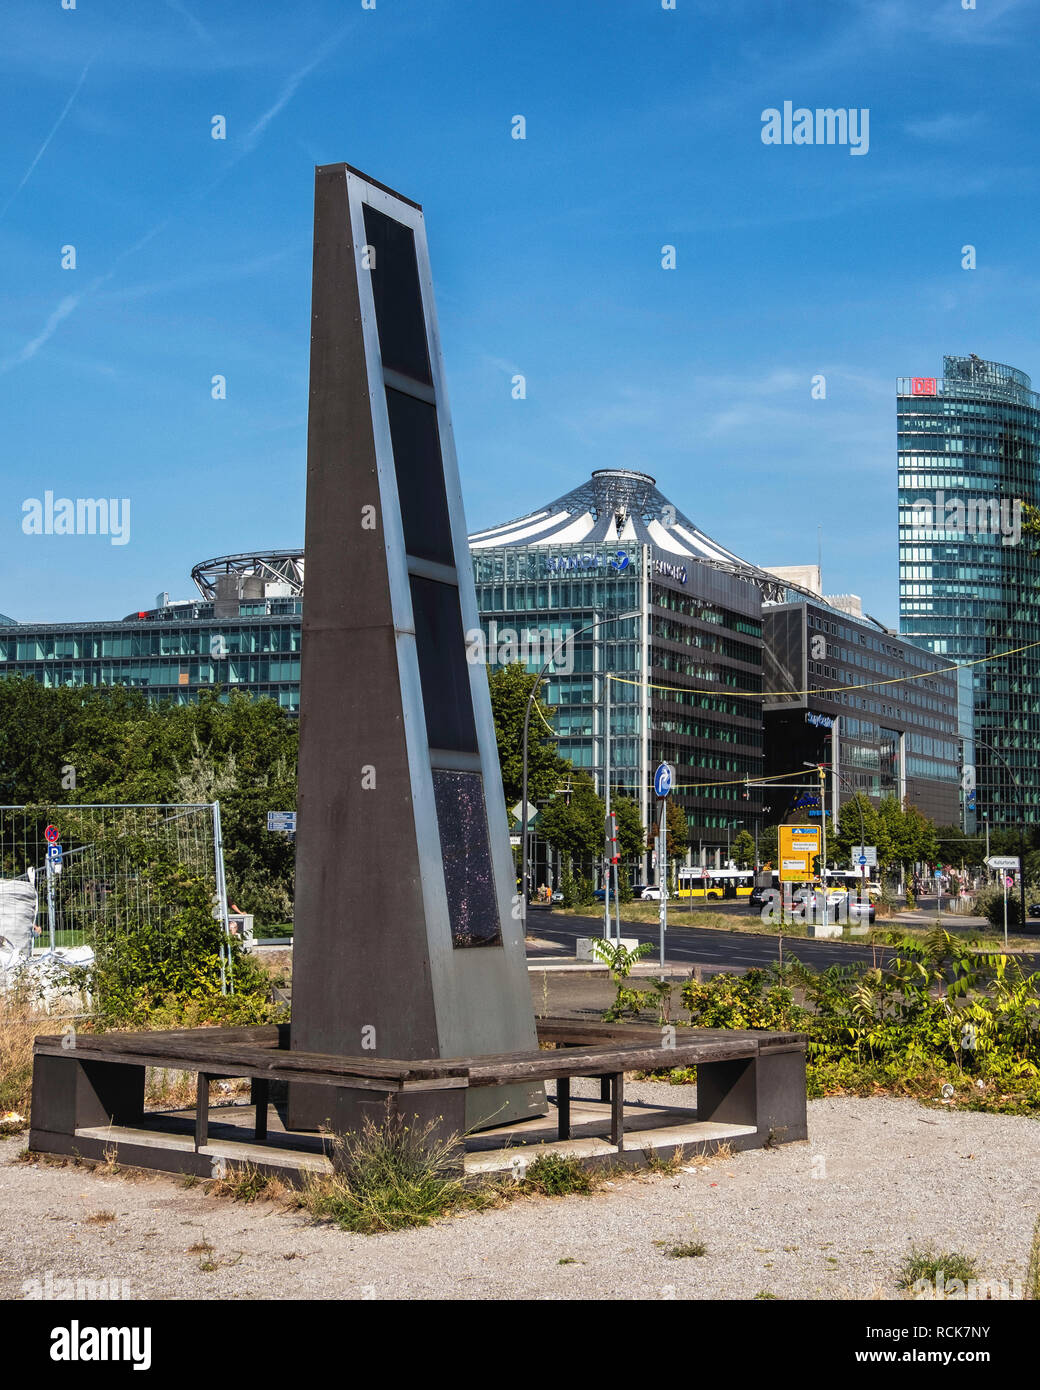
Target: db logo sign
[922, 386]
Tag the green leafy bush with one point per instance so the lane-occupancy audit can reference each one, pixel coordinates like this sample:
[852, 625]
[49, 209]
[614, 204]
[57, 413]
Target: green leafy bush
[388, 1177]
[754, 1000]
[175, 959]
[939, 1011]
[554, 1175]
[585, 893]
[938, 1007]
[990, 904]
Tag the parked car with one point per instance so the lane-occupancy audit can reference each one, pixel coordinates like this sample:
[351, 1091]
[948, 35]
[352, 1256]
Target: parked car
[652, 894]
[759, 898]
[600, 894]
[638, 889]
[557, 896]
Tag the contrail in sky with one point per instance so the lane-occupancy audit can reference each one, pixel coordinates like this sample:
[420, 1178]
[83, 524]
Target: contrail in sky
[43, 148]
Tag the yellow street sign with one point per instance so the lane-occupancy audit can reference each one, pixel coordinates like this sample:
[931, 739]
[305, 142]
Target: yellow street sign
[799, 845]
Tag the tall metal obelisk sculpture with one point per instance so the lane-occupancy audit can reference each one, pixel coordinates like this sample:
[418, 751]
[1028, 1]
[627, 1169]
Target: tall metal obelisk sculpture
[407, 943]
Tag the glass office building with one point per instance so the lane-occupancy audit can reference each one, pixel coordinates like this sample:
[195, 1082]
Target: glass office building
[862, 698]
[969, 583]
[684, 672]
[242, 632]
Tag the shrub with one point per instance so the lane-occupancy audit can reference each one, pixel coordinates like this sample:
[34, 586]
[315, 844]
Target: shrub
[619, 960]
[18, 1028]
[939, 1011]
[990, 904]
[553, 1175]
[926, 1264]
[1033, 1269]
[388, 1177]
[687, 1249]
[937, 1006]
[140, 967]
[754, 1000]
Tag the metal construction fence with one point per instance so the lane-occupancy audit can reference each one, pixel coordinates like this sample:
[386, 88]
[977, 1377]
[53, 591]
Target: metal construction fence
[77, 880]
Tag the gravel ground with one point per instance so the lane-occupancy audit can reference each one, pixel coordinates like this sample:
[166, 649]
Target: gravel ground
[831, 1219]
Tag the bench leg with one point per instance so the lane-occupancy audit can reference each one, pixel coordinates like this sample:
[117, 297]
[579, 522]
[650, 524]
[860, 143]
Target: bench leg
[726, 1092]
[563, 1107]
[604, 1089]
[781, 1096]
[617, 1109]
[259, 1090]
[69, 1094]
[767, 1092]
[201, 1111]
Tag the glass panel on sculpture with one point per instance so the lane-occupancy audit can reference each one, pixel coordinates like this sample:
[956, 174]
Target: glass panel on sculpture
[443, 669]
[466, 851]
[398, 300]
[420, 478]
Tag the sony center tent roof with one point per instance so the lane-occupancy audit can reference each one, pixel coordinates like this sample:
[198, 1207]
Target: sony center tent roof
[619, 507]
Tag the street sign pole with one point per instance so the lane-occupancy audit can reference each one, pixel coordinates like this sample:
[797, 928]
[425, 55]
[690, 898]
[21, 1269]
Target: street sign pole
[664, 780]
[662, 872]
[1006, 864]
[50, 902]
[823, 832]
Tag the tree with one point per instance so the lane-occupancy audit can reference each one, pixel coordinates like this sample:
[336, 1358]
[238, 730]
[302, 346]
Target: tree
[678, 829]
[235, 748]
[743, 851]
[510, 688]
[576, 830]
[767, 845]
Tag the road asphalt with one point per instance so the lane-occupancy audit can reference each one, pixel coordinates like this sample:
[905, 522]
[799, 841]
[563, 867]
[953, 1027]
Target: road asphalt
[713, 946]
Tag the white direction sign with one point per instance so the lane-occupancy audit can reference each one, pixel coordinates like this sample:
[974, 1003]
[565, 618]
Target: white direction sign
[865, 854]
[1003, 861]
[281, 820]
[532, 811]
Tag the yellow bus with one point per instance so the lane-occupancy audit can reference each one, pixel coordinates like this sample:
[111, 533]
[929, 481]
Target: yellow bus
[715, 883]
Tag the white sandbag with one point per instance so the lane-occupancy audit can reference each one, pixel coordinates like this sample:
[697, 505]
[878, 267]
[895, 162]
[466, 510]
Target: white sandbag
[17, 914]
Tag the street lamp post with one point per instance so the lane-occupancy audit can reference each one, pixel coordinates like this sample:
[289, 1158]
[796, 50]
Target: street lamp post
[1021, 827]
[730, 826]
[525, 834]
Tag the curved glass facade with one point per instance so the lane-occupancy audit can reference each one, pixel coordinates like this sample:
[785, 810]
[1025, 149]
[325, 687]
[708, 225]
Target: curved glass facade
[969, 584]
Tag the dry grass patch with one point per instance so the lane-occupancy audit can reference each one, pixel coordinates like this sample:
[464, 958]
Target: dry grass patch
[18, 1029]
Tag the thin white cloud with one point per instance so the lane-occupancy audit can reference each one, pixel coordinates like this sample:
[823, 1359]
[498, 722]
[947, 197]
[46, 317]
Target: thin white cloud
[32, 347]
[199, 29]
[255, 133]
[70, 303]
[946, 127]
[212, 274]
[50, 136]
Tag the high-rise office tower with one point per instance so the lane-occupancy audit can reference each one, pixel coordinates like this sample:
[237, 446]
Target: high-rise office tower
[969, 580]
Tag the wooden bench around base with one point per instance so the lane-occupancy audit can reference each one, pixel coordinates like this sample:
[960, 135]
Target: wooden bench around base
[747, 1078]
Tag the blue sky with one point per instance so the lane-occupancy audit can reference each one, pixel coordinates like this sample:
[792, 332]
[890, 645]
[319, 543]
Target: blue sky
[643, 129]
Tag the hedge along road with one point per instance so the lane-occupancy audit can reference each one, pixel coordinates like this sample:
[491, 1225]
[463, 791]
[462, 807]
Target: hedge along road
[716, 946]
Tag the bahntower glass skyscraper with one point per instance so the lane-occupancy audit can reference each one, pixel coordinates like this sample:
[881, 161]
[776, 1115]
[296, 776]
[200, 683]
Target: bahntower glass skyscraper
[969, 581]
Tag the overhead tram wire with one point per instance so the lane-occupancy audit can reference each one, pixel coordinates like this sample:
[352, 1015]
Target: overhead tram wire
[820, 690]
